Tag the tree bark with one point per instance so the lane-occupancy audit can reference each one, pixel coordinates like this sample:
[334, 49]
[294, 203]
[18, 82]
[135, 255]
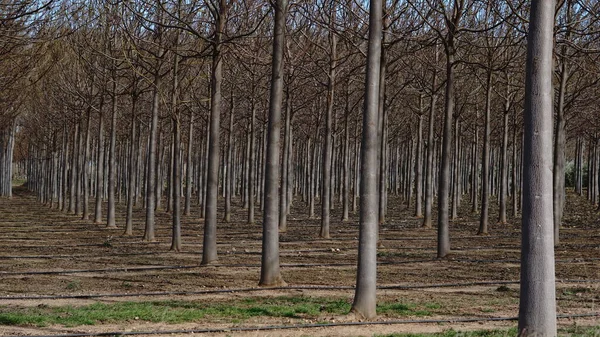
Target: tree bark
[112, 162]
[537, 307]
[365, 299]
[485, 160]
[427, 219]
[209, 253]
[270, 273]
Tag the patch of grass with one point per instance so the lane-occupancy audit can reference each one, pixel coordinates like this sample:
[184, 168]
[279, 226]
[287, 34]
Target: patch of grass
[401, 309]
[173, 311]
[574, 331]
[576, 290]
[454, 333]
[298, 307]
[433, 306]
[578, 331]
[503, 289]
[74, 285]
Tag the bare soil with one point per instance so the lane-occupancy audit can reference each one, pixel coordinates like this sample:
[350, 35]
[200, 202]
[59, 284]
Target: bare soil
[45, 252]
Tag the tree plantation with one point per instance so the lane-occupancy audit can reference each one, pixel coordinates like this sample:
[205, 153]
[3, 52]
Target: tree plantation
[298, 167]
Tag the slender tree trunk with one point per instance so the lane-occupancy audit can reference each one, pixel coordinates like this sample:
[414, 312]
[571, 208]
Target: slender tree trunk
[444, 177]
[131, 190]
[515, 195]
[251, 182]
[189, 165]
[365, 299]
[209, 253]
[427, 219]
[270, 274]
[176, 155]
[328, 149]
[73, 179]
[227, 180]
[283, 207]
[537, 307]
[112, 161]
[345, 200]
[485, 160]
[151, 180]
[504, 167]
[85, 171]
[419, 164]
[559, 154]
[456, 170]
[79, 165]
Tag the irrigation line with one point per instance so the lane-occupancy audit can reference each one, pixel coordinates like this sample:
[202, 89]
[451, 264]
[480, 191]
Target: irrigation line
[306, 326]
[253, 265]
[259, 289]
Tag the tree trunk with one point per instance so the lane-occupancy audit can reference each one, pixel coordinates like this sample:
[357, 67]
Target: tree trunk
[151, 180]
[504, 167]
[559, 154]
[270, 274]
[427, 220]
[251, 182]
[537, 307]
[86, 153]
[209, 253]
[131, 190]
[285, 167]
[444, 177]
[112, 162]
[485, 160]
[227, 180]
[419, 164]
[328, 149]
[189, 165]
[365, 299]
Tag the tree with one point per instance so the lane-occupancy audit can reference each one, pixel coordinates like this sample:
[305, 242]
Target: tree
[209, 252]
[537, 307]
[366, 276]
[270, 274]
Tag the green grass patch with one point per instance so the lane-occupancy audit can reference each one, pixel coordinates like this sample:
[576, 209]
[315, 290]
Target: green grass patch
[454, 333]
[574, 331]
[297, 307]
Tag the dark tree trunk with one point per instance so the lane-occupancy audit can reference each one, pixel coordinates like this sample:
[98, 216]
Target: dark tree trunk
[419, 164]
[251, 182]
[485, 160]
[427, 219]
[86, 154]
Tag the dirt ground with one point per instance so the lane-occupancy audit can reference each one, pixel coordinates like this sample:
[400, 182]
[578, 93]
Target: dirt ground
[45, 252]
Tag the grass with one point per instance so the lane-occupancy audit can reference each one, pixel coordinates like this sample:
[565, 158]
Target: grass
[189, 311]
[574, 331]
[454, 333]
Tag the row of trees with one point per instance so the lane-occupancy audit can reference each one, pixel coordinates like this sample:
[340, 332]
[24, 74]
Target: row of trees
[123, 101]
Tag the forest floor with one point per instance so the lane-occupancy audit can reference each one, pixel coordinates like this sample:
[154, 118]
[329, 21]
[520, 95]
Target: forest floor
[63, 275]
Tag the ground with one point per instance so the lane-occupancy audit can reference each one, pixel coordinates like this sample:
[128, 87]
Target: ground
[60, 274]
